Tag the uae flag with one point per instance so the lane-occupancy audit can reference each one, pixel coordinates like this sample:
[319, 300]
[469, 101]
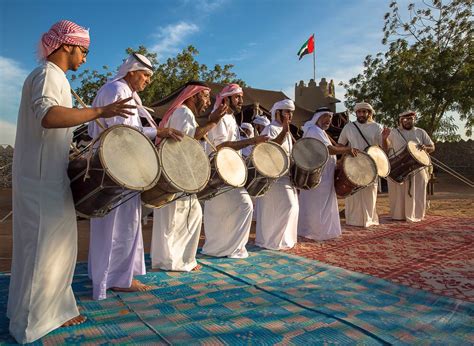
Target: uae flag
[307, 47]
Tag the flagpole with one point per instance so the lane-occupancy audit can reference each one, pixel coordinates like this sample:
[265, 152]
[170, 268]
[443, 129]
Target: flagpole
[314, 61]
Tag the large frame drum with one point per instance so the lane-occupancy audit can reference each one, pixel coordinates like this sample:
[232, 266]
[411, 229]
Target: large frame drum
[228, 171]
[309, 155]
[381, 160]
[408, 162]
[184, 169]
[267, 162]
[122, 162]
[354, 173]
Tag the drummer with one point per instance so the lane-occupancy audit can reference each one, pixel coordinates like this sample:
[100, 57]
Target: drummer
[40, 298]
[360, 208]
[319, 214]
[277, 210]
[177, 225]
[116, 245]
[228, 216]
[260, 122]
[408, 199]
[246, 132]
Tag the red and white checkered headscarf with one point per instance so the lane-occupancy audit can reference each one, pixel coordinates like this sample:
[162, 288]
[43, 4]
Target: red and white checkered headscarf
[229, 90]
[63, 32]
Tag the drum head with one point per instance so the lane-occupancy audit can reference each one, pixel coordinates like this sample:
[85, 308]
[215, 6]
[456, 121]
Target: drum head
[310, 154]
[231, 167]
[184, 164]
[129, 158]
[381, 160]
[270, 160]
[360, 170]
[419, 155]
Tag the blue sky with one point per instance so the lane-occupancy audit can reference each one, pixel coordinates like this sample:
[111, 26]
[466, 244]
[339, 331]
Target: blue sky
[260, 37]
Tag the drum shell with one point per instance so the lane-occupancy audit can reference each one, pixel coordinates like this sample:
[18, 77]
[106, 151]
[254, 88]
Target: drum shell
[166, 191]
[342, 183]
[259, 183]
[304, 180]
[403, 165]
[217, 182]
[99, 193]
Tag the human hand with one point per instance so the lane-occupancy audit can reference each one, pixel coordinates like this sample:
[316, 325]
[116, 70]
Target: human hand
[118, 108]
[170, 133]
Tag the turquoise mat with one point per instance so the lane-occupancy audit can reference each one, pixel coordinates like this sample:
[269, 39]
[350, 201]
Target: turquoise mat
[268, 298]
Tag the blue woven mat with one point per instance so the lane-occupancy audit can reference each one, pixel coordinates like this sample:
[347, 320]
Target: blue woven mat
[268, 298]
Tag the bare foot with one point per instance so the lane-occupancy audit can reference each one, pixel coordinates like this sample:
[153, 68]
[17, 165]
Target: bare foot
[197, 268]
[75, 321]
[136, 286]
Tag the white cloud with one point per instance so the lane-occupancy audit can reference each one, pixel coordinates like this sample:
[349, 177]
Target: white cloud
[12, 76]
[7, 133]
[169, 38]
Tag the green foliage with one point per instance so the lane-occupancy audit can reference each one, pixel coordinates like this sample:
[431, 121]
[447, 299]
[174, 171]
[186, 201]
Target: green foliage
[167, 77]
[428, 67]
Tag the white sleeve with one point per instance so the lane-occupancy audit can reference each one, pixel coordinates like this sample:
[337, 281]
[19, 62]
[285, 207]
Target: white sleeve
[45, 92]
[218, 134]
[180, 120]
[343, 136]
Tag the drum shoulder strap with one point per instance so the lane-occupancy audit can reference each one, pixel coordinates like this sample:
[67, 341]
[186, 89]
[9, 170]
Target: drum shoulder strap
[358, 129]
[401, 134]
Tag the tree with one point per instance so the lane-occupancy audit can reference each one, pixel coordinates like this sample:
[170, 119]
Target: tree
[428, 67]
[167, 76]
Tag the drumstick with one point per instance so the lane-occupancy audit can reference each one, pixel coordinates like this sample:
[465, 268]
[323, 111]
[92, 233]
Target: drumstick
[85, 106]
[148, 108]
[209, 142]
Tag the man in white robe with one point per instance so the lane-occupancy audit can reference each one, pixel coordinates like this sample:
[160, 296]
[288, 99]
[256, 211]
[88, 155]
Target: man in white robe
[40, 297]
[247, 132]
[177, 225]
[408, 199]
[116, 252]
[260, 122]
[319, 213]
[277, 210]
[360, 208]
[228, 216]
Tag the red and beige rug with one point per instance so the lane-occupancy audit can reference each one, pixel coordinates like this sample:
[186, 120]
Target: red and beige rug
[435, 255]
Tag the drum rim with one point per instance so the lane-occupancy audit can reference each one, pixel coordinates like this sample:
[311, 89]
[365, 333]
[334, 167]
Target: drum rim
[106, 168]
[411, 154]
[243, 164]
[172, 183]
[279, 147]
[371, 160]
[386, 156]
[308, 169]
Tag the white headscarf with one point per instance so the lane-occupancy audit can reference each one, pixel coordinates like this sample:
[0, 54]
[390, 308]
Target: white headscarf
[135, 62]
[249, 127]
[404, 114]
[365, 105]
[307, 125]
[283, 104]
[261, 120]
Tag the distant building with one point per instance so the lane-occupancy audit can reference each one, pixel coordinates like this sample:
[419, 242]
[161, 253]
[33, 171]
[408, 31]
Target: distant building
[314, 96]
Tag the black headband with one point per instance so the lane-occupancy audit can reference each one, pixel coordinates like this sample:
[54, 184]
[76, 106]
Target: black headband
[142, 62]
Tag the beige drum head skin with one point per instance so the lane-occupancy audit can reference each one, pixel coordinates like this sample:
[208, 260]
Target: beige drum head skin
[231, 167]
[185, 164]
[419, 155]
[310, 154]
[381, 160]
[360, 170]
[270, 160]
[130, 158]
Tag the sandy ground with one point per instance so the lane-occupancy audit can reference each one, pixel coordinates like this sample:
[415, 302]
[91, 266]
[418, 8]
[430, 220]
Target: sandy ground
[451, 198]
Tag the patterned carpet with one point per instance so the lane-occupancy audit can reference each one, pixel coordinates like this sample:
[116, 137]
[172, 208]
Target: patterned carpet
[434, 255]
[269, 298]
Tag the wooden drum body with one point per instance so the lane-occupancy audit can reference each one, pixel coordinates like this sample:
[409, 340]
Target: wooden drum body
[309, 158]
[408, 162]
[122, 163]
[184, 169]
[228, 171]
[267, 162]
[354, 173]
